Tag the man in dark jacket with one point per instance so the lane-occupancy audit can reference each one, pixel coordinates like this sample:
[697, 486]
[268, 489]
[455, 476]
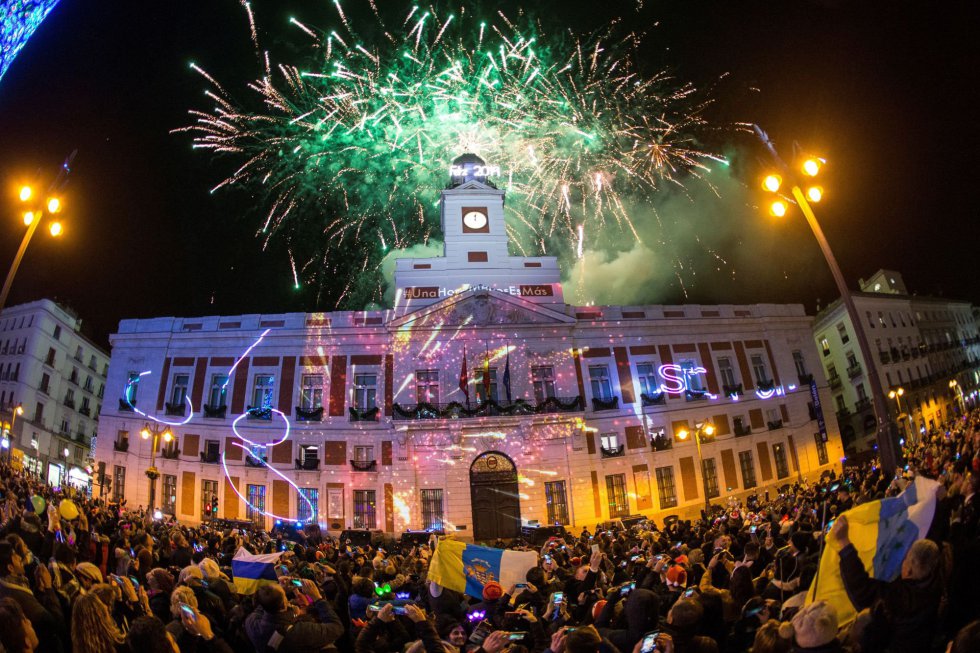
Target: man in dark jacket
[903, 612]
[42, 609]
[274, 625]
[640, 615]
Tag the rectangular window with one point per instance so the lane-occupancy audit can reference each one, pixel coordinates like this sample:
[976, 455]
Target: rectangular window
[432, 510]
[692, 378]
[599, 379]
[800, 363]
[45, 383]
[748, 469]
[646, 374]
[309, 453]
[665, 487]
[364, 509]
[557, 503]
[365, 391]
[364, 454]
[842, 332]
[132, 387]
[825, 346]
[211, 449]
[312, 393]
[862, 393]
[609, 441]
[118, 482]
[209, 499]
[779, 455]
[57, 332]
[262, 391]
[427, 386]
[822, 457]
[616, 493]
[218, 393]
[759, 369]
[179, 393]
[544, 382]
[710, 472]
[39, 413]
[168, 500]
[307, 504]
[726, 371]
[481, 389]
[255, 510]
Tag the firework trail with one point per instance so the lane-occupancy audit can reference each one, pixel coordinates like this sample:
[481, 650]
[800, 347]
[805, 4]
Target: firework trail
[349, 149]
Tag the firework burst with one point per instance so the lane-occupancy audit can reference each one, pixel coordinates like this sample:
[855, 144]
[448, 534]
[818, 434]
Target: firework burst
[350, 147]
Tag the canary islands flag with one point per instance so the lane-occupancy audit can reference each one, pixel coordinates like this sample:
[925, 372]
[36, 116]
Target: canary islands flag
[882, 532]
[467, 567]
[251, 571]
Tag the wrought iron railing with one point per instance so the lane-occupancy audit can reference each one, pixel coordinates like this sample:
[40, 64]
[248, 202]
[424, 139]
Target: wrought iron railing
[613, 453]
[210, 458]
[214, 412]
[364, 465]
[765, 385]
[599, 403]
[309, 464]
[253, 461]
[264, 413]
[661, 443]
[456, 410]
[658, 399]
[366, 415]
[775, 424]
[309, 414]
[175, 409]
[854, 370]
[120, 446]
[742, 430]
[729, 390]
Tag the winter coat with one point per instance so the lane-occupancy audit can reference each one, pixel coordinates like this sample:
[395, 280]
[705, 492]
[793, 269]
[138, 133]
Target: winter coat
[300, 635]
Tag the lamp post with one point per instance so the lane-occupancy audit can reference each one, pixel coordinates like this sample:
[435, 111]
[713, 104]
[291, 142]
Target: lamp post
[8, 436]
[897, 395]
[958, 391]
[152, 473]
[701, 429]
[887, 434]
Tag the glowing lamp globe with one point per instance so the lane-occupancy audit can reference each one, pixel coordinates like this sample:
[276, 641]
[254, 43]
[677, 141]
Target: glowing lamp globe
[25, 193]
[811, 167]
[772, 183]
[28, 218]
[54, 205]
[814, 193]
[56, 229]
[778, 208]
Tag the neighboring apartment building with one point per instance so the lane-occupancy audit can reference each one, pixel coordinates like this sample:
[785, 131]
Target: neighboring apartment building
[481, 402]
[920, 344]
[57, 376]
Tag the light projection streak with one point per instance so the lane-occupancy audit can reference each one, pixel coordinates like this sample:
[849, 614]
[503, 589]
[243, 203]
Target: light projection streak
[127, 395]
[18, 21]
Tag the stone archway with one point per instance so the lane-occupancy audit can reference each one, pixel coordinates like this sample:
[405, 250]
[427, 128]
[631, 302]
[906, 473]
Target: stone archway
[494, 497]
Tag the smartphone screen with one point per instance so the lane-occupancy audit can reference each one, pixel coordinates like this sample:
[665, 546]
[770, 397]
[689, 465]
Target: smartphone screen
[752, 529]
[188, 610]
[297, 583]
[559, 597]
[649, 643]
[516, 635]
[399, 609]
[595, 548]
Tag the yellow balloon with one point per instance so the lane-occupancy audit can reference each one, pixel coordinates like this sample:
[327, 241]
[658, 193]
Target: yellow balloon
[68, 509]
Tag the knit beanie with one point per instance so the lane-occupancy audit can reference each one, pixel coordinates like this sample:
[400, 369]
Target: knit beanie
[597, 608]
[813, 626]
[676, 576]
[492, 591]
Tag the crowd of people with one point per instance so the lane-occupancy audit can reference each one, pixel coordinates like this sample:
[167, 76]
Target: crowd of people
[98, 578]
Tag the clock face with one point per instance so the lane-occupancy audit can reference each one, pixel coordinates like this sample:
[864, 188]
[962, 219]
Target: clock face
[475, 220]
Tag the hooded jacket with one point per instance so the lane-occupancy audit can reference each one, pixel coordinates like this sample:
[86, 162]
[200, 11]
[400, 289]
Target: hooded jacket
[641, 614]
[300, 635]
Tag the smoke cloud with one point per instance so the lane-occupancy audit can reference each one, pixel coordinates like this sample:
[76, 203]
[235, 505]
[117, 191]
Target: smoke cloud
[431, 249]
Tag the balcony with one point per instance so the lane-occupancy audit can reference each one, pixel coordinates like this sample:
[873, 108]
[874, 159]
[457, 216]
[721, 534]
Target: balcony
[254, 461]
[732, 390]
[695, 395]
[171, 453]
[214, 412]
[613, 453]
[884, 357]
[661, 443]
[176, 410]
[85, 410]
[309, 414]
[777, 424]
[364, 465]
[264, 414]
[456, 410]
[122, 445]
[804, 379]
[835, 381]
[765, 385]
[310, 464]
[862, 404]
[599, 404]
[210, 458]
[742, 430]
[366, 415]
[70, 403]
[659, 399]
[126, 405]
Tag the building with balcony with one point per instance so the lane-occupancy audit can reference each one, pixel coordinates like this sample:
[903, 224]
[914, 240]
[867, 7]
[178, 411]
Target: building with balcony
[57, 377]
[920, 345]
[479, 403]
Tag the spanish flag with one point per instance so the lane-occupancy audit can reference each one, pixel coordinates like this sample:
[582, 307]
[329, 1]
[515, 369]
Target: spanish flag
[466, 568]
[882, 532]
[251, 571]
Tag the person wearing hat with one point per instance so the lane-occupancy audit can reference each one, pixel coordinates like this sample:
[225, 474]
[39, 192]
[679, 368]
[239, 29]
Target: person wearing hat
[640, 615]
[813, 629]
[492, 605]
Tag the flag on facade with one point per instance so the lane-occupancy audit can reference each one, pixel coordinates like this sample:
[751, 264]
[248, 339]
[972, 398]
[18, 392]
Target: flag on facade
[464, 386]
[486, 375]
[507, 376]
[251, 571]
[882, 532]
[467, 568]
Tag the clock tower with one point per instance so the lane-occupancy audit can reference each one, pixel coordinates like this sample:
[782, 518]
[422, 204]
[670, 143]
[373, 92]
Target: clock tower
[471, 213]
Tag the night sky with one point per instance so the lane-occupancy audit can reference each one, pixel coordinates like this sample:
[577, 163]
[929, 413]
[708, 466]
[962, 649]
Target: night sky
[885, 90]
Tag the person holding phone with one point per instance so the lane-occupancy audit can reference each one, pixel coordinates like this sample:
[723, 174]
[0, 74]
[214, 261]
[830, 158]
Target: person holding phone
[384, 633]
[275, 620]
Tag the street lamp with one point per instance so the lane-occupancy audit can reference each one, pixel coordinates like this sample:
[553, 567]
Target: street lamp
[8, 435]
[810, 167]
[958, 391]
[152, 472]
[701, 429]
[897, 395]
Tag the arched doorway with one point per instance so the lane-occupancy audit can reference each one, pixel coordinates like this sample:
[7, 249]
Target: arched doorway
[494, 496]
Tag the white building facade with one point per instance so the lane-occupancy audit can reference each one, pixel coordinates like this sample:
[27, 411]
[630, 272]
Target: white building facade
[56, 376]
[480, 403]
[920, 345]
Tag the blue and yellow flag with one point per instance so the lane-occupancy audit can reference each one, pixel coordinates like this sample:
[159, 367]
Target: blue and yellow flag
[882, 532]
[467, 568]
[250, 571]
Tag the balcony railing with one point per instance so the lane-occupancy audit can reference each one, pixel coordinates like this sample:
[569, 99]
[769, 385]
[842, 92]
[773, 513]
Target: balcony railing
[456, 410]
[613, 453]
[765, 385]
[366, 415]
[695, 395]
[862, 404]
[70, 403]
[661, 443]
[210, 458]
[85, 410]
[309, 464]
[835, 381]
[843, 413]
[854, 371]
[777, 424]
[741, 430]
[598, 403]
[264, 413]
[214, 412]
[176, 409]
[120, 445]
[126, 405]
[730, 390]
[804, 379]
[171, 454]
[252, 461]
[309, 414]
[364, 465]
[658, 399]
[884, 357]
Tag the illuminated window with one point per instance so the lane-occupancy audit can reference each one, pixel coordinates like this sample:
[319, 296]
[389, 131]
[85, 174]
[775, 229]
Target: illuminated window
[118, 482]
[262, 391]
[692, 379]
[544, 382]
[665, 487]
[646, 374]
[168, 501]
[303, 512]
[609, 441]
[748, 469]
[427, 386]
[255, 511]
[616, 494]
[209, 499]
[710, 472]
[365, 391]
[557, 502]
[432, 509]
[825, 346]
[179, 392]
[364, 454]
[599, 380]
[218, 394]
[364, 509]
[312, 392]
[779, 455]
